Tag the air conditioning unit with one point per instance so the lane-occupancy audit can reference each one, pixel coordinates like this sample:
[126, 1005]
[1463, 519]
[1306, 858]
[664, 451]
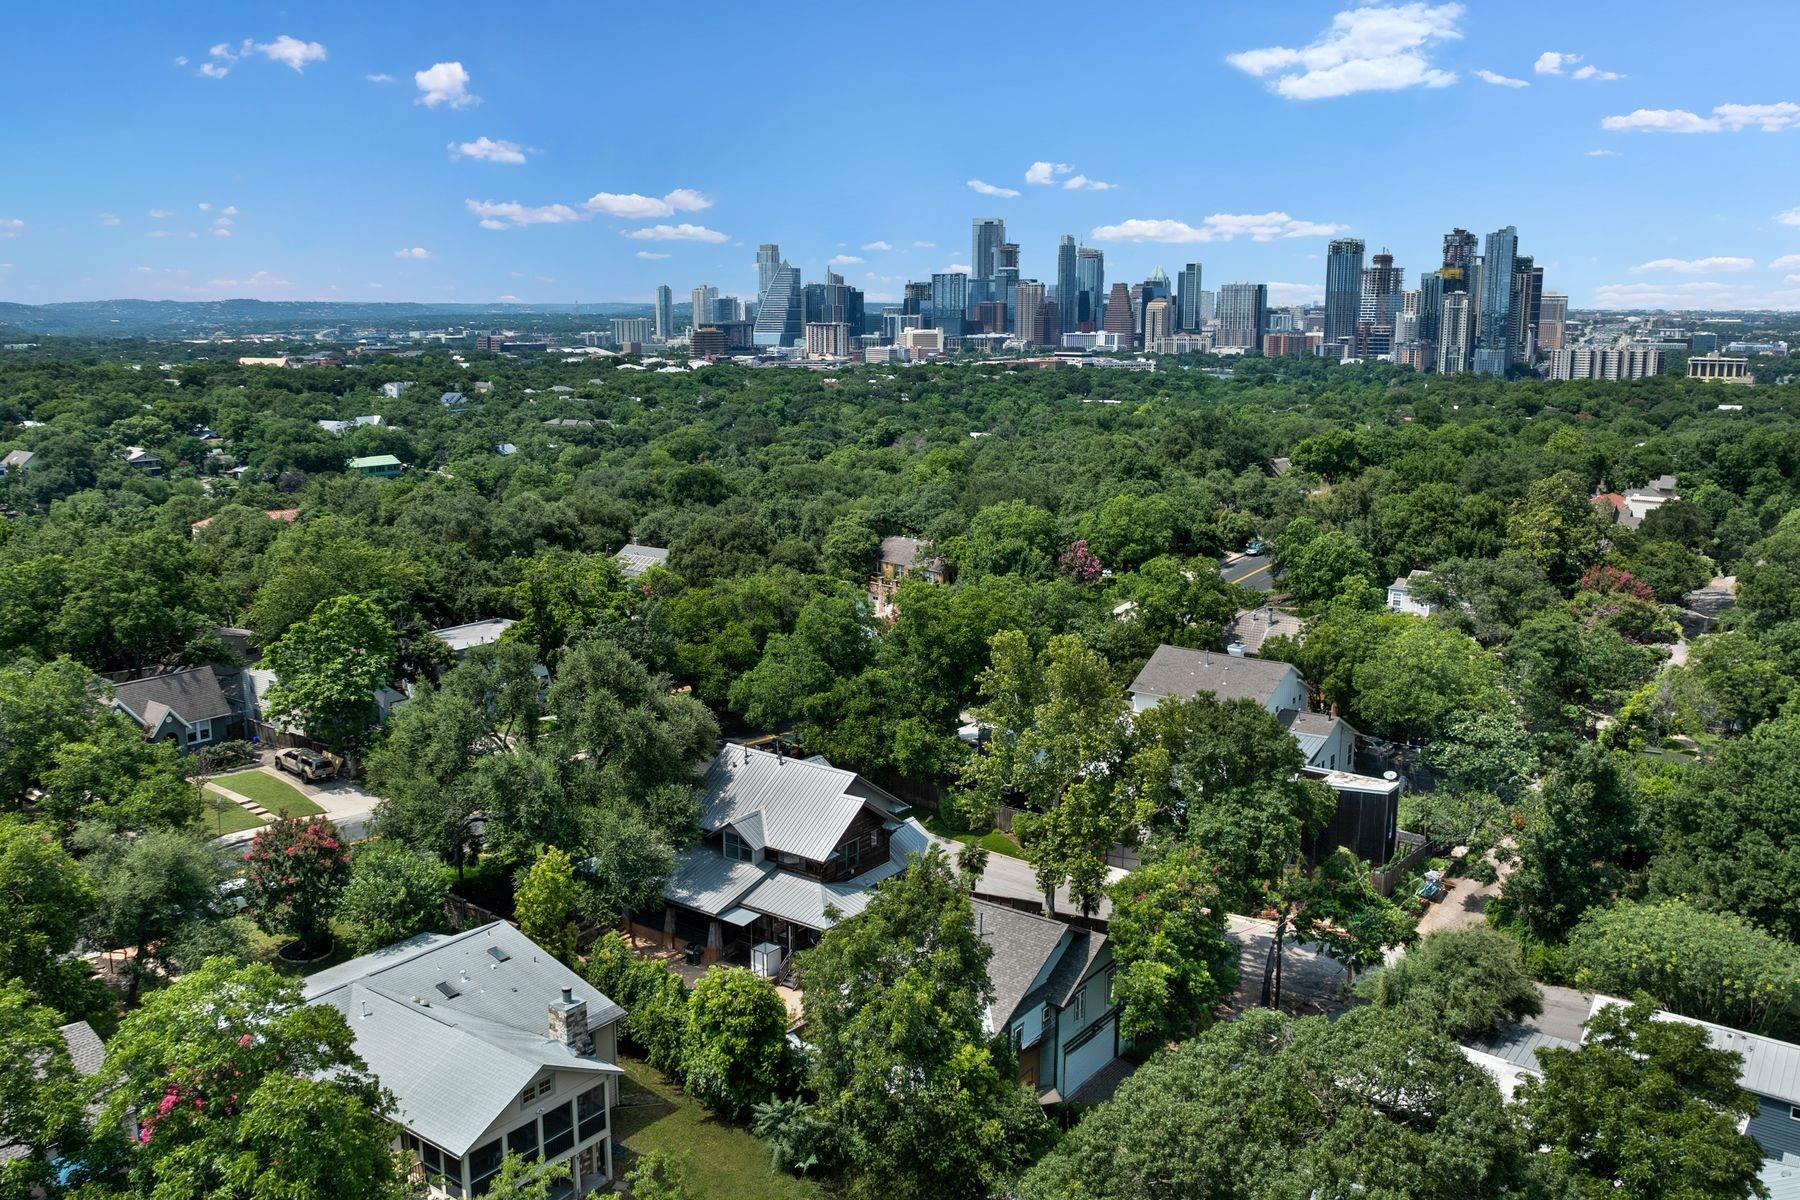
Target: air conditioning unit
[765, 959]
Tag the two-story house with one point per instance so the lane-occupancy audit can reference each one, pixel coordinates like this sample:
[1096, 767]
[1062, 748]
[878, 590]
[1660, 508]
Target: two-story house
[896, 560]
[1052, 986]
[1368, 810]
[193, 707]
[789, 846]
[488, 1045]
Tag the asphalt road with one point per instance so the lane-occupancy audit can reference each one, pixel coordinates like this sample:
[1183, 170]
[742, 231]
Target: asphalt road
[1255, 571]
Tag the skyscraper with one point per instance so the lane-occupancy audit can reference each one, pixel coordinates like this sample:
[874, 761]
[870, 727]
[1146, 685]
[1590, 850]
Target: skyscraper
[1553, 318]
[1090, 282]
[1493, 334]
[1066, 287]
[704, 300]
[985, 236]
[779, 315]
[1431, 308]
[1119, 317]
[1459, 260]
[1343, 289]
[949, 301]
[1378, 306]
[768, 261]
[1187, 298]
[665, 311]
[1030, 319]
[1243, 311]
[1159, 320]
[1456, 334]
[1527, 305]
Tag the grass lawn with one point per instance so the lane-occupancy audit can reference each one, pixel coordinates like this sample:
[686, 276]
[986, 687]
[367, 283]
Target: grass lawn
[222, 816]
[729, 1162]
[271, 793]
[994, 840]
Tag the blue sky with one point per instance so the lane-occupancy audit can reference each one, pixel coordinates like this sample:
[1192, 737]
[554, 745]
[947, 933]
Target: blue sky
[558, 152]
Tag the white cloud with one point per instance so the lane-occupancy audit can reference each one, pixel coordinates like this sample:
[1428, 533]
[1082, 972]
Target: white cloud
[1552, 62]
[262, 279]
[1785, 262]
[1790, 217]
[1604, 154]
[292, 51]
[1592, 72]
[632, 206]
[956, 269]
[1694, 266]
[444, 83]
[221, 231]
[652, 255]
[933, 245]
[843, 260]
[1770, 118]
[11, 227]
[1784, 278]
[412, 252]
[1046, 172]
[1374, 48]
[109, 219]
[204, 206]
[214, 70]
[1702, 294]
[1499, 80]
[989, 189]
[229, 210]
[1296, 293]
[877, 245]
[181, 60]
[1219, 227]
[509, 214]
[676, 233]
[1078, 182]
[487, 149]
[379, 77]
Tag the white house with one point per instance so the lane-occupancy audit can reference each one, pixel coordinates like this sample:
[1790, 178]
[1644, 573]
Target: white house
[488, 1045]
[1400, 598]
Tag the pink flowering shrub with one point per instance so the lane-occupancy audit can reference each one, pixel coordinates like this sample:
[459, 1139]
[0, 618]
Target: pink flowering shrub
[292, 877]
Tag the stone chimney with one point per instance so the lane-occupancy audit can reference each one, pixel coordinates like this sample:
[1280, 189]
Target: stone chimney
[569, 1023]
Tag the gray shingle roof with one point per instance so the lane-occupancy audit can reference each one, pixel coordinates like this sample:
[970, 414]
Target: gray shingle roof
[1026, 952]
[1182, 673]
[455, 1057]
[194, 695]
[900, 551]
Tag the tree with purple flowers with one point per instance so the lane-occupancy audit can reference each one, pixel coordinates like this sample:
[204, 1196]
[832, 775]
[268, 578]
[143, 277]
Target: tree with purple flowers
[1080, 563]
[292, 877]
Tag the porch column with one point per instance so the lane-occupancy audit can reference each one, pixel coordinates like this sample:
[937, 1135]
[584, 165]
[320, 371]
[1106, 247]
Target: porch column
[669, 926]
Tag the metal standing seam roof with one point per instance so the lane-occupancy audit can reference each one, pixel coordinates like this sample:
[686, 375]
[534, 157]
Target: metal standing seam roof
[634, 559]
[1179, 672]
[1771, 1066]
[787, 805]
[458, 1056]
[473, 634]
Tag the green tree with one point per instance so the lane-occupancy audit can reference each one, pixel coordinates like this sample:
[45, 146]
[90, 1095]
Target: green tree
[150, 893]
[653, 997]
[1715, 966]
[393, 893]
[328, 668]
[1570, 853]
[736, 1053]
[903, 1067]
[1555, 527]
[1643, 1110]
[1464, 982]
[1744, 680]
[1320, 569]
[1268, 1105]
[46, 896]
[243, 1092]
[42, 1100]
[1425, 677]
[292, 877]
[661, 1176]
[526, 1179]
[114, 778]
[1168, 934]
[545, 901]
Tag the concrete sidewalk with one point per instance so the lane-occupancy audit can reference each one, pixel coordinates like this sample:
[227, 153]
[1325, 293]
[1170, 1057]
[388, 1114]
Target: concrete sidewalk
[350, 808]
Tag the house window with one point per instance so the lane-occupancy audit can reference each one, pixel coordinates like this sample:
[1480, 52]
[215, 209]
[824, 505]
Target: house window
[1080, 1006]
[736, 849]
[484, 1164]
[1794, 1112]
[590, 1111]
[538, 1090]
[853, 856]
[559, 1130]
[523, 1141]
[199, 733]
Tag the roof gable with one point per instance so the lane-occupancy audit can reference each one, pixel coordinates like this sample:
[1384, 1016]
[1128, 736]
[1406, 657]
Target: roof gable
[791, 806]
[1174, 671]
[193, 695]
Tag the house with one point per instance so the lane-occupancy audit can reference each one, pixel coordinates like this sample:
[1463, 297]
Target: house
[1052, 996]
[255, 684]
[393, 391]
[452, 399]
[377, 466]
[1400, 598]
[193, 707]
[634, 559]
[487, 1044]
[1253, 626]
[142, 460]
[87, 1054]
[1641, 502]
[788, 848]
[1770, 1072]
[342, 427]
[506, 449]
[463, 638]
[16, 460]
[1367, 819]
[898, 559]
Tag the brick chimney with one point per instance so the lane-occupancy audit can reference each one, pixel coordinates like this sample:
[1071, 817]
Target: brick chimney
[569, 1023]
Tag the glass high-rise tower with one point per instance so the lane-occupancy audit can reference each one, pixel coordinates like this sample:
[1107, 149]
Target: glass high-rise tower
[1090, 284]
[779, 317]
[1188, 316]
[1493, 330]
[1066, 287]
[1343, 290]
[986, 236]
[768, 261]
[665, 311]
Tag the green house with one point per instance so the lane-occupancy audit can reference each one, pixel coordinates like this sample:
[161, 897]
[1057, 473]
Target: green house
[377, 466]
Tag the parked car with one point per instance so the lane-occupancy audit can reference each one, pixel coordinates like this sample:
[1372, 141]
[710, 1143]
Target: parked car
[304, 764]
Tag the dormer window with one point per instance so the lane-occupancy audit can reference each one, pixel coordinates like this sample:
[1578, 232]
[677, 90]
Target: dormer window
[736, 848]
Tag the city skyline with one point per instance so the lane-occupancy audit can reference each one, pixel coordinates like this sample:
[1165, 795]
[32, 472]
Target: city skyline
[338, 154]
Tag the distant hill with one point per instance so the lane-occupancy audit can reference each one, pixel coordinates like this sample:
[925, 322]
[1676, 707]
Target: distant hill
[139, 318]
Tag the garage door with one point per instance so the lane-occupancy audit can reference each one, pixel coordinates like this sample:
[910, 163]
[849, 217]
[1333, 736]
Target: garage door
[1093, 1052]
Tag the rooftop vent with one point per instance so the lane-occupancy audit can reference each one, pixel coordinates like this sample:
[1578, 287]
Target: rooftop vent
[497, 954]
[448, 990]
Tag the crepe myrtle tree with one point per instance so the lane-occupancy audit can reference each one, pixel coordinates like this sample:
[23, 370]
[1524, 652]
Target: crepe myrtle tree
[292, 877]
